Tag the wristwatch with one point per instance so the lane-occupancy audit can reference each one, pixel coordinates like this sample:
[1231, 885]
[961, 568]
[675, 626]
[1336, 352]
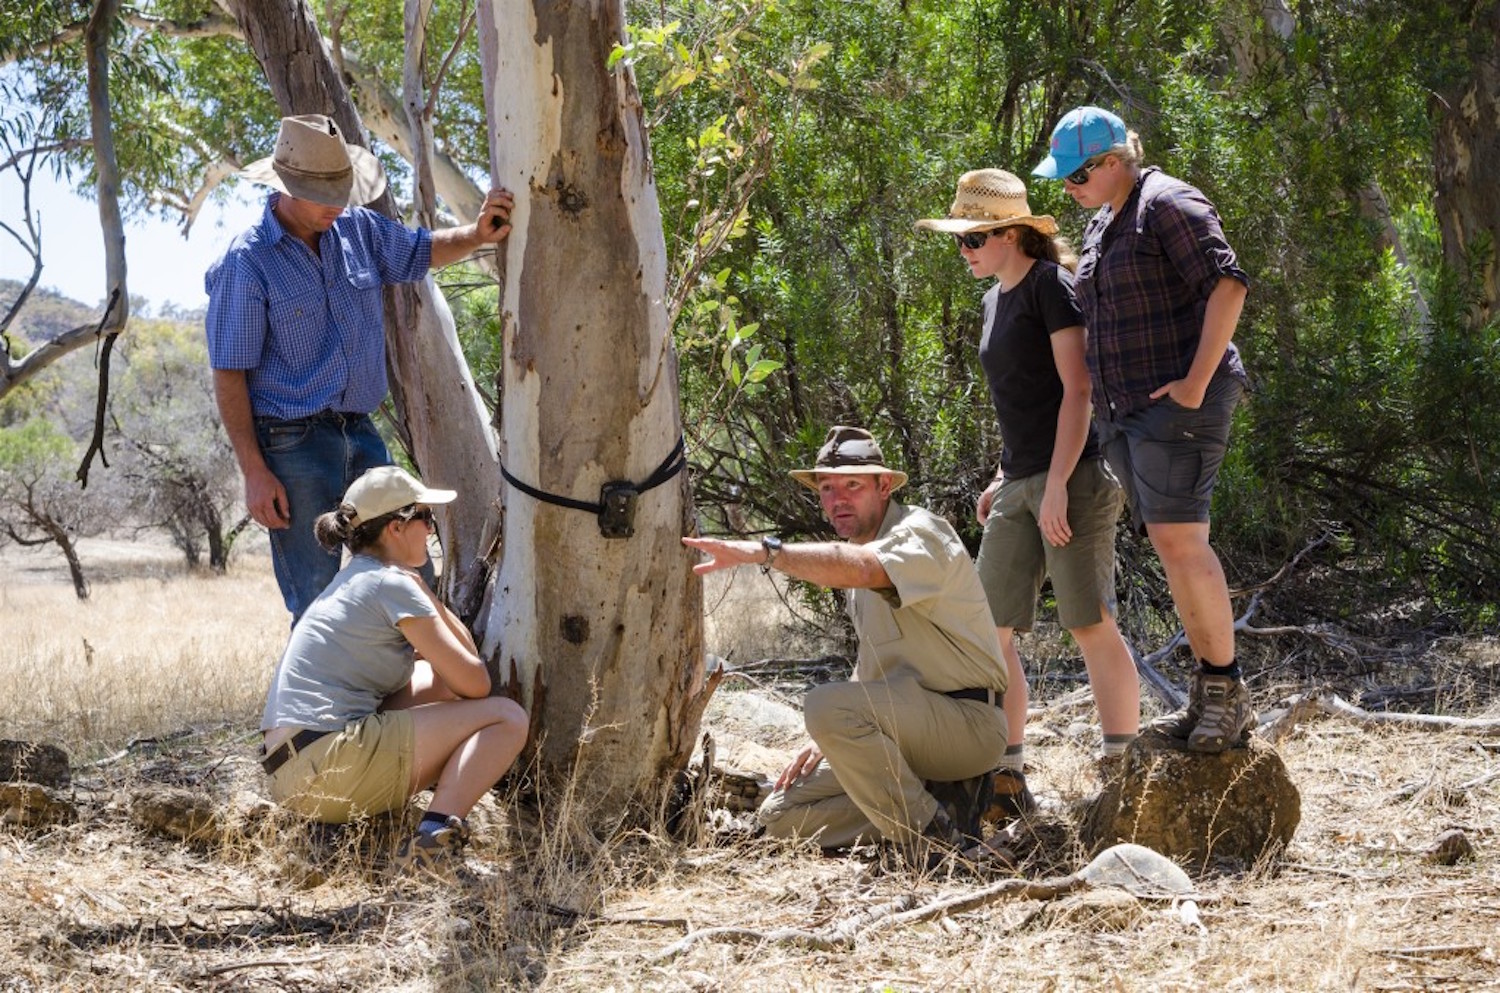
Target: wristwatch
[772, 545]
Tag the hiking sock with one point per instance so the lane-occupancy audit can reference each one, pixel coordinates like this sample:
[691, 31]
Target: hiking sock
[1014, 760]
[432, 822]
[1232, 670]
[1115, 744]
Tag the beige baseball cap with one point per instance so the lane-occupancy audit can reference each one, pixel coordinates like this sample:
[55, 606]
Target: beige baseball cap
[387, 488]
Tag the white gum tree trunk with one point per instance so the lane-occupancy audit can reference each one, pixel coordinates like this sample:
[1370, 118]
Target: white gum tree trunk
[601, 638]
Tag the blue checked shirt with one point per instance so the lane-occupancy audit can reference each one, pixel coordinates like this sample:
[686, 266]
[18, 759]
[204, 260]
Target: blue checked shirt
[309, 329]
[1143, 283]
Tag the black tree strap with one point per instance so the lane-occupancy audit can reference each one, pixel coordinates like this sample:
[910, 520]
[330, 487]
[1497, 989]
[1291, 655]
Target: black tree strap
[671, 466]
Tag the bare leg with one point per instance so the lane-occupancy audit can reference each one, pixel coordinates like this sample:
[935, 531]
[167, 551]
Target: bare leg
[464, 747]
[1117, 689]
[1017, 695]
[1198, 587]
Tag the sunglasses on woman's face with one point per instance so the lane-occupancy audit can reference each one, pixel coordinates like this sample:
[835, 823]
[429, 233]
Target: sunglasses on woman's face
[424, 514]
[1080, 175]
[973, 241]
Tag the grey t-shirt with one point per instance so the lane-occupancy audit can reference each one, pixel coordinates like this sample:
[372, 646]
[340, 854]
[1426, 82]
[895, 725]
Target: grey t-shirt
[346, 654]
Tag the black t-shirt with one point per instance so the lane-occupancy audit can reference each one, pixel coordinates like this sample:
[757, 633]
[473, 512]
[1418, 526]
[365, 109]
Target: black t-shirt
[1016, 353]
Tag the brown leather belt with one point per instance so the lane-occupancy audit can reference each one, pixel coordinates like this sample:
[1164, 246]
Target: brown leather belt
[284, 751]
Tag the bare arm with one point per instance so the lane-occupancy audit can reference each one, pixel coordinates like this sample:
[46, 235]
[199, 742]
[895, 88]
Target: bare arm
[449, 649]
[1219, 321]
[835, 564]
[265, 497]
[491, 227]
[1072, 432]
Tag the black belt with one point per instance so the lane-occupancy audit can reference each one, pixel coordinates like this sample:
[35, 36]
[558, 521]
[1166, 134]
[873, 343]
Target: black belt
[325, 415]
[993, 697]
[284, 751]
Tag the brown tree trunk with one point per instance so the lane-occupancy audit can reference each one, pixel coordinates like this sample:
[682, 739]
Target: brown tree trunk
[601, 638]
[1466, 157]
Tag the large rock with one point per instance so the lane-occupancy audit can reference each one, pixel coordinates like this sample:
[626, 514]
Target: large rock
[1237, 806]
[34, 762]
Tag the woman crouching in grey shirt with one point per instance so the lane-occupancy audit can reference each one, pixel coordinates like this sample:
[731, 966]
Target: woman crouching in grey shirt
[381, 692]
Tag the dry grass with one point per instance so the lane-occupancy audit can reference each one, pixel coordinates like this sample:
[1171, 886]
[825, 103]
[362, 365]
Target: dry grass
[100, 905]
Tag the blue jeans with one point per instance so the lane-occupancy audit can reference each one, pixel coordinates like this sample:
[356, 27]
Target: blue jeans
[316, 458]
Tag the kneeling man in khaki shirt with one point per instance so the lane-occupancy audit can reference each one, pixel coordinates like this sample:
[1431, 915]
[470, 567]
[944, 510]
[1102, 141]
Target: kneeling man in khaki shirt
[923, 704]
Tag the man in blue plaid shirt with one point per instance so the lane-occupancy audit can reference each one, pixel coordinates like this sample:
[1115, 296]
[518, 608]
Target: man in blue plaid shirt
[296, 334]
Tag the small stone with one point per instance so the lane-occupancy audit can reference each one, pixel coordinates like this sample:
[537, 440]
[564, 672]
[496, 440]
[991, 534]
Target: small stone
[1450, 848]
[29, 805]
[175, 813]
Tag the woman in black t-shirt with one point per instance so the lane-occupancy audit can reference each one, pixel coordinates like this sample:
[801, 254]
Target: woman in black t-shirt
[1052, 506]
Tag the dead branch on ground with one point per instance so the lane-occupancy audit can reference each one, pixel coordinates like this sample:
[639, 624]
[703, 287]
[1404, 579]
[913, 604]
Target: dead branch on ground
[1277, 723]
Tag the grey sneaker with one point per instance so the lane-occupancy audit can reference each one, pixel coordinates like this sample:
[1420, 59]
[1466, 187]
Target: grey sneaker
[1180, 724]
[1227, 715]
[438, 852]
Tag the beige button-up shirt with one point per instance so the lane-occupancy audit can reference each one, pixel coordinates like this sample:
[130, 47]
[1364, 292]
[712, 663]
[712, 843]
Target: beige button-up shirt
[935, 622]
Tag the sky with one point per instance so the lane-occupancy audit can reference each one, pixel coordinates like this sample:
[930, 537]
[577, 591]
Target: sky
[161, 265]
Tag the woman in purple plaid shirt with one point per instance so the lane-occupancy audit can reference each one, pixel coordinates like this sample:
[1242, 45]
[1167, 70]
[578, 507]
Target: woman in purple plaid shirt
[1161, 293]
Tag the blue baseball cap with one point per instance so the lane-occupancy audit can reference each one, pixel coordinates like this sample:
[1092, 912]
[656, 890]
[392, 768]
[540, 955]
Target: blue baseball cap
[1083, 133]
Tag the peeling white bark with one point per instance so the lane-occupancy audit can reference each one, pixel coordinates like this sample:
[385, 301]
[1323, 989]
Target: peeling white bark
[602, 638]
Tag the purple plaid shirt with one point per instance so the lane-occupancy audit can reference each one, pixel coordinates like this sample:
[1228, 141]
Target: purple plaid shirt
[1143, 286]
[310, 329]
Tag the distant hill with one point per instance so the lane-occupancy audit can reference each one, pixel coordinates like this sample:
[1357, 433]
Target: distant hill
[46, 314]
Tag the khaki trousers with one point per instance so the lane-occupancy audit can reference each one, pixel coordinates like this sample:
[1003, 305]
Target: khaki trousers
[880, 741]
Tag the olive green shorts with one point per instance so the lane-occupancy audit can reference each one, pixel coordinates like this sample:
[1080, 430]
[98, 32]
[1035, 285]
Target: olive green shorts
[364, 769]
[1014, 558]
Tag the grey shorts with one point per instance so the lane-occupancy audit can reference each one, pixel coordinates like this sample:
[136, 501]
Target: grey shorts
[1167, 457]
[1014, 558]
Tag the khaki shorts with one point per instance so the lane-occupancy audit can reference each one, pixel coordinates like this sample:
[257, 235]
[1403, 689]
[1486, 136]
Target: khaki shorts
[364, 769]
[1014, 558]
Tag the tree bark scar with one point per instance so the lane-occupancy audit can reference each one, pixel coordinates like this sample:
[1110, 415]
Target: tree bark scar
[575, 629]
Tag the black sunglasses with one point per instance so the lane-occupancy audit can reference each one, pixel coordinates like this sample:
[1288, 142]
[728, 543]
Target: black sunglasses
[973, 241]
[423, 514]
[1080, 175]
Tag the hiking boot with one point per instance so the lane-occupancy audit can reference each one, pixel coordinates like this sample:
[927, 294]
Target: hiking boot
[1012, 800]
[438, 852]
[939, 841]
[965, 802]
[1227, 715]
[1180, 724]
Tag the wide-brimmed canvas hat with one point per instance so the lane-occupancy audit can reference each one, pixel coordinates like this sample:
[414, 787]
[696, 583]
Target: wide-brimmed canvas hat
[988, 199]
[847, 451]
[1083, 133]
[388, 488]
[313, 162]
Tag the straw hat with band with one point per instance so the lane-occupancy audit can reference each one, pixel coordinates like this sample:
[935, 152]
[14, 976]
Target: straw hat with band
[388, 488]
[988, 199]
[313, 162]
[847, 451]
